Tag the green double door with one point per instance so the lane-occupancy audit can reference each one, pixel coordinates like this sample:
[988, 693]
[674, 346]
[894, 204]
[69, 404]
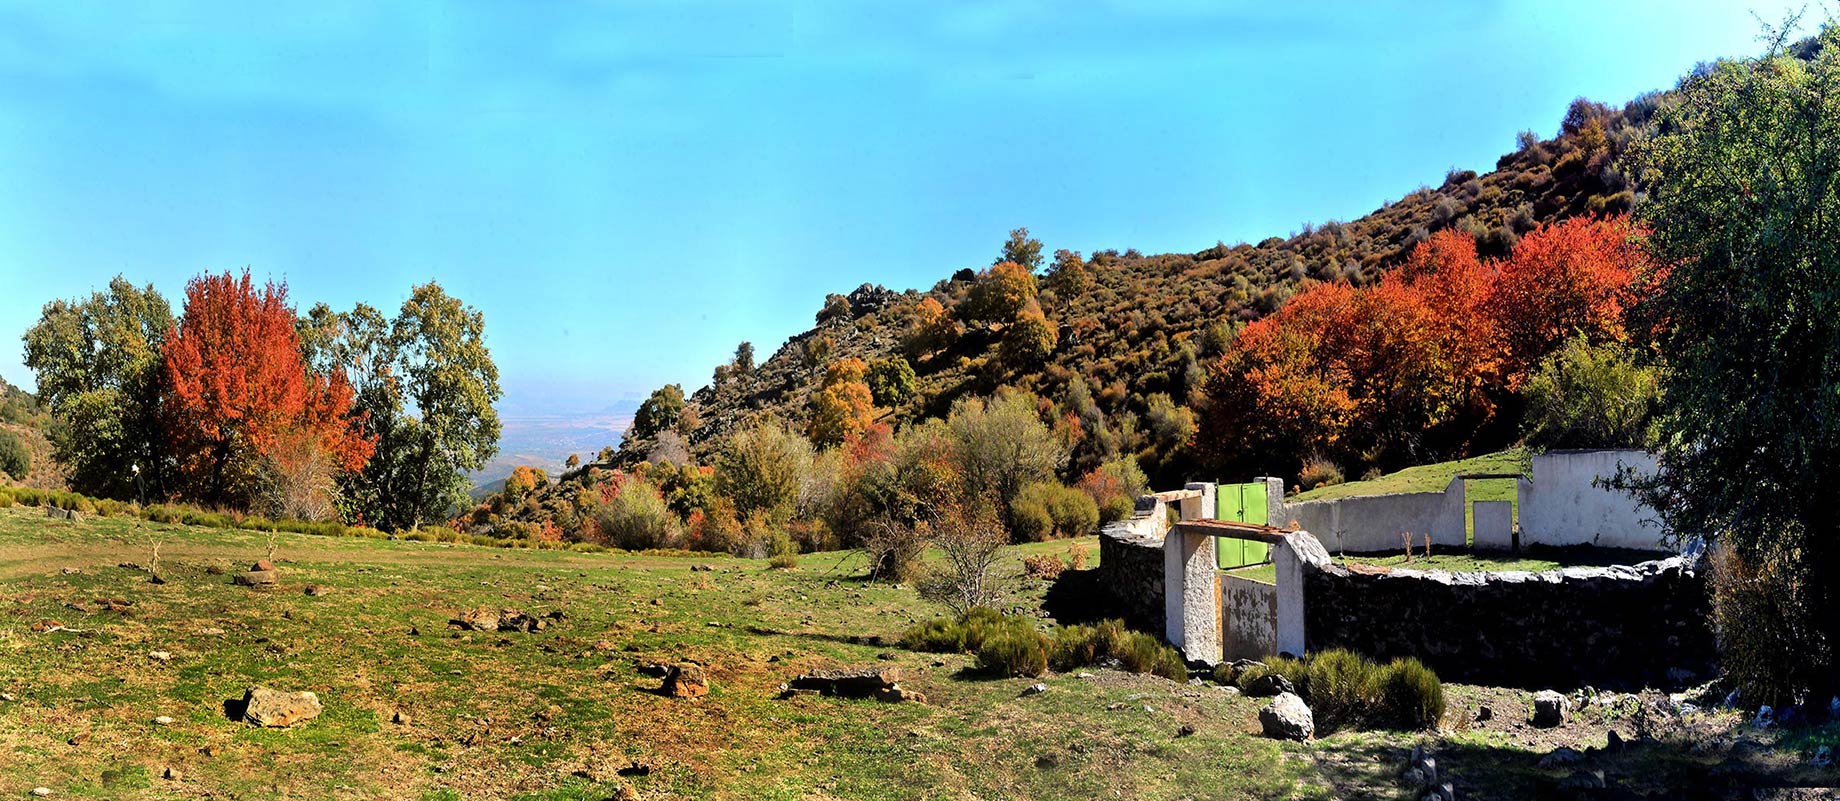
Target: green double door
[1244, 503]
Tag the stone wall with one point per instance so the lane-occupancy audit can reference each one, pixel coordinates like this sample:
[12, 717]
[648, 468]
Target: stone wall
[1131, 567]
[1248, 618]
[1620, 627]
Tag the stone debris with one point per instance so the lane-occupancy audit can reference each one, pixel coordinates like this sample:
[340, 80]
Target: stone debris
[880, 683]
[1549, 709]
[63, 514]
[314, 590]
[160, 656]
[1421, 771]
[1287, 717]
[41, 792]
[1269, 685]
[171, 774]
[276, 709]
[163, 720]
[686, 680]
[485, 618]
[1034, 689]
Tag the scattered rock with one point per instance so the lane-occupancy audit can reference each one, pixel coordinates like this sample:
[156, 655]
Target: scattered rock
[481, 619]
[1549, 709]
[1287, 718]
[898, 694]
[513, 620]
[686, 680]
[1269, 685]
[399, 718]
[1483, 713]
[1766, 716]
[1613, 743]
[214, 570]
[41, 792]
[262, 566]
[1442, 792]
[163, 720]
[702, 568]
[171, 774]
[1561, 757]
[656, 670]
[626, 793]
[255, 578]
[1034, 689]
[160, 656]
[78, 739]
[8, 697]
[274, 709]
[70, 571]
[850, 683]
[485, 618]
[314, 590]
[1239, 666]
[1583, 780]
[1187, 730]
[1083, 675]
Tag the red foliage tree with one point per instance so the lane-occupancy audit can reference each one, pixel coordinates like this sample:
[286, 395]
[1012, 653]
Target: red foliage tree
[236, 389]
[1573, 277]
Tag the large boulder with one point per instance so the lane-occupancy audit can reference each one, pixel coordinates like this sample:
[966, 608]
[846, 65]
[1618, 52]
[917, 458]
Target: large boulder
[849, 683]
[686, 680]
[1549, 709]
[1287, 718]
[273, 708]
[256, 578]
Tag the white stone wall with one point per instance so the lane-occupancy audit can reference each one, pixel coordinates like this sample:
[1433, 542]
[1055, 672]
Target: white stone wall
[1248, 618]
[1370, 523]
[1561, 505]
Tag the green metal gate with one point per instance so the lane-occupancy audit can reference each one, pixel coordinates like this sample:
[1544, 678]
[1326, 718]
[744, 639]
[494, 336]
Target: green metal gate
[1244, 503]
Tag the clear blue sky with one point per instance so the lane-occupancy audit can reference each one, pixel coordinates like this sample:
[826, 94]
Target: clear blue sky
[628, 190]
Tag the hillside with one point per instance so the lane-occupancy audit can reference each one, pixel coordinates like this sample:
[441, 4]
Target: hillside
[21, 418]
[1132, 326]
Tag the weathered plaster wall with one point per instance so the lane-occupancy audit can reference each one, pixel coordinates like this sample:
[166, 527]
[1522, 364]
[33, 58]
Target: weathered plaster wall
[1494, 525]
[1248, 618]
[1370, 523]
[1561, 506]
[1611, 627]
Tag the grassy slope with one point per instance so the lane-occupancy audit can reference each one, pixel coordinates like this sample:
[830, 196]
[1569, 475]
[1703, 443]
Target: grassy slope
[517, 715]
[557, 714]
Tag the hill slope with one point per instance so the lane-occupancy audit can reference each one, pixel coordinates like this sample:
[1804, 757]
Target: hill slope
[1131, 326]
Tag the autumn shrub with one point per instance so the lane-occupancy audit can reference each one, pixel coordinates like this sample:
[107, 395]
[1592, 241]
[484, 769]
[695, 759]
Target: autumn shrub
[1760, 613]
[1410, 694]
[1046, 566]
[1029, 517]
[1319, 472]
[1076, 556]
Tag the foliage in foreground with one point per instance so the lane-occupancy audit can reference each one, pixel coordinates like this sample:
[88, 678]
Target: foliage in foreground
[1010, 645]
[1346, 690]
[1744, 207]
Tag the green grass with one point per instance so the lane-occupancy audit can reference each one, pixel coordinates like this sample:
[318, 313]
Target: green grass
[554, 714]
[1436, 477]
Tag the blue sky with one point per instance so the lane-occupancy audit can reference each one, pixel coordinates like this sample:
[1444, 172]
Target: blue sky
[627, 190]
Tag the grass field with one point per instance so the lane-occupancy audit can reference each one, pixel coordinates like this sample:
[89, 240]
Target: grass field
[566, 713]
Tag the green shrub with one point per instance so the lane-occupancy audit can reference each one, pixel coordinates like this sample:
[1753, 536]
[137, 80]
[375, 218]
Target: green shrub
[6, 500]
[782, 552]
[1074, 512]
[15, 461]
[1013, 653]
[1342, 688]
[1071, 647]
[1030, 519]
[1411, 695]
[1115, 508]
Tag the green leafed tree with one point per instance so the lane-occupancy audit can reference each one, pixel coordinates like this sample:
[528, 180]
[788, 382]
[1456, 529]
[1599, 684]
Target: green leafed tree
[1743, 182]
[891, 381]
[98, 364]
[660, 412]
[426, 385]
[1021, 249]
[759, 468]
[1002, 446]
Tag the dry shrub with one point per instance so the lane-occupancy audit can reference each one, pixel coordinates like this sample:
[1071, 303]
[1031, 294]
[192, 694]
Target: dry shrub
[1759, 609]
[1319, 472]
[1046, 566]
[1076, 556]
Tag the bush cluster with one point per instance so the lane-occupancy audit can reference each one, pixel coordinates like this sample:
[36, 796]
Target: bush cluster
[1346, 690]
[1010, 645]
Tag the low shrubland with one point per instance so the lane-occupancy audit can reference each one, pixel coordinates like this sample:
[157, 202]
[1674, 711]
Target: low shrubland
[1346, 690]
[1011, 645]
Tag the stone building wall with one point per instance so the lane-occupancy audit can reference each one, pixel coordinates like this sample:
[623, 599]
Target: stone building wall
[1131, 564]
[1619, 627]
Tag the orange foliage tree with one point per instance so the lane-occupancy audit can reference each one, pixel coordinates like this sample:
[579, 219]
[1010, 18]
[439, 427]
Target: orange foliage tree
[237, 390]
[1416, 367]
[843, 407]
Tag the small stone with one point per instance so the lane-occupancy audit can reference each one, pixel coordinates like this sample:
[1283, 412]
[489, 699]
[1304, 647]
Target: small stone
[262, 565]
[77, 740]
[1269, 685]
[41, 792]
[626, 793]
[70, 571]
[1187, 730]
[163, 720]
[1765, 717]
[1034, 689]
[1083, 675]
[160, 656]
[399, 718]
[171, 774]
[8, 697]
[1613, 742]
[314, 590]
[1483, 713]
[1549, 709]
[1287, 718]
[1583, 780]
[256, 578]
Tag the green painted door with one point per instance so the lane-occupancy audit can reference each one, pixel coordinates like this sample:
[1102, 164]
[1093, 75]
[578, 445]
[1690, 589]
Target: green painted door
[1244, 503]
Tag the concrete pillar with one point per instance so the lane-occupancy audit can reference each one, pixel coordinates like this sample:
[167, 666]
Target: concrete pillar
[1296, 553]
[1274, 501]
[1191, 584]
